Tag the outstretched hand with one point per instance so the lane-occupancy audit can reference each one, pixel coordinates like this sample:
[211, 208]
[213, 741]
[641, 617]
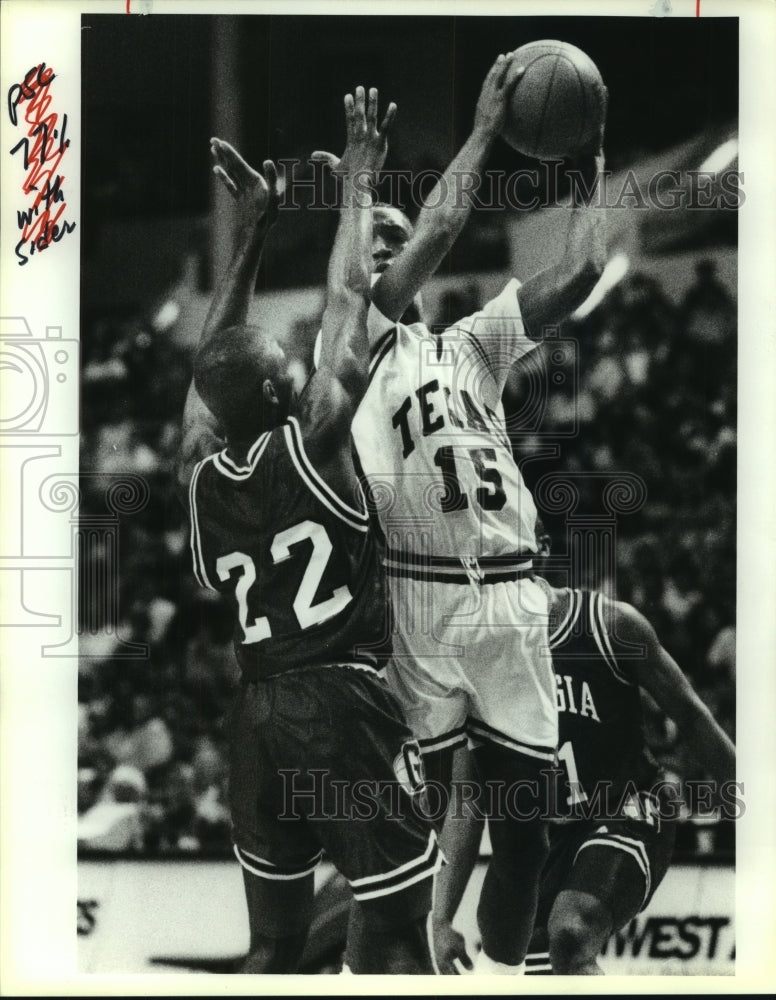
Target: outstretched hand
[497, 88]
[367, 145]
[257, 195]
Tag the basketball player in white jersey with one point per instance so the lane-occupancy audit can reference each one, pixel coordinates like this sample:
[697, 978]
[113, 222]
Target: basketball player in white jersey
[456, 515]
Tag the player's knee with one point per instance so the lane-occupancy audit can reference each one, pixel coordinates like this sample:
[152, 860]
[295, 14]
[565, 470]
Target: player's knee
[568, 942]
[577, 928]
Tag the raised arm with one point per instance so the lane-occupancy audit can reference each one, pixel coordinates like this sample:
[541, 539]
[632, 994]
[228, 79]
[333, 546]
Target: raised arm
[659, 675]
[448, 205]
[255, 198]
[336, 389]
[549, 296]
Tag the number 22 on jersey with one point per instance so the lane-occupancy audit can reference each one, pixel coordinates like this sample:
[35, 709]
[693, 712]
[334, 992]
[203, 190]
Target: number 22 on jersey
[307, 613]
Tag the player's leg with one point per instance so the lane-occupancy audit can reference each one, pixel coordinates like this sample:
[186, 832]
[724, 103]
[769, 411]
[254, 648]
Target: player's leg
[425, 677]
[616, 870]
[277, 857]
[578, 928]
[520, 846]
[513, 718]
[438, 769]
[360, 774]
[393, 941]
[435, 710]
[563, 847]
[279, 914]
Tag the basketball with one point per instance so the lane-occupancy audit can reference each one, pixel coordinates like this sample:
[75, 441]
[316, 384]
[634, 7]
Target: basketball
[559, 105]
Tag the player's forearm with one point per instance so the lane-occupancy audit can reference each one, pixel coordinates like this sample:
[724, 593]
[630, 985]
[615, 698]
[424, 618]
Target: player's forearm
[551, 295]
[447, 206]
[460, 838]
[585, 248]
[460, 843]
[348, 272]
[199, 432]
[344, 344]
[708, 743]
[443, 215]
[231, 302]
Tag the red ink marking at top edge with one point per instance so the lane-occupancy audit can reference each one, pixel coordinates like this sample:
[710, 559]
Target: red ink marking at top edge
[697, 7]
[129, 4]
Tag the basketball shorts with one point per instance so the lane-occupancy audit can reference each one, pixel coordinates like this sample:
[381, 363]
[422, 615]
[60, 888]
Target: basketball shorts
[620, 862]
[474, 659]
[322, 760]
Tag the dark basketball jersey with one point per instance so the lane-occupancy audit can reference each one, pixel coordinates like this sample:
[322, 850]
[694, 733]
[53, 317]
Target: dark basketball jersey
[601, 745]
[298, 563]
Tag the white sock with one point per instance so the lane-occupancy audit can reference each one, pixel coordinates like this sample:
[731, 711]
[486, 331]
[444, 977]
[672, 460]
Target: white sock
[490, 967]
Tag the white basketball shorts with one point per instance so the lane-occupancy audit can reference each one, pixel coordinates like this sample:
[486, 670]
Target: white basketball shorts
[472, 659]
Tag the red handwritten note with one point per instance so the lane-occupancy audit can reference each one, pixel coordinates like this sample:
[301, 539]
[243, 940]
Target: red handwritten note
[41, 221]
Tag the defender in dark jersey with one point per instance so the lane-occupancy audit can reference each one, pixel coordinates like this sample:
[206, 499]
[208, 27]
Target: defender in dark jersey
[612, 838]
[278, 524]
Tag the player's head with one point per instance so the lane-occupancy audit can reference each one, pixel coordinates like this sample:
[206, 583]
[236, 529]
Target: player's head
[244, 379]
[391, 232]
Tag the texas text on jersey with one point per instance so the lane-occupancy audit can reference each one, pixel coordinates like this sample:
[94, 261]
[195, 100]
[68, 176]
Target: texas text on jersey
[432, 440]
[601, 747]
[299, 564]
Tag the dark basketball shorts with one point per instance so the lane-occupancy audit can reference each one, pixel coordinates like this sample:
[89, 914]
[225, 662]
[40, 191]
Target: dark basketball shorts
[322, 761]
[620, 862]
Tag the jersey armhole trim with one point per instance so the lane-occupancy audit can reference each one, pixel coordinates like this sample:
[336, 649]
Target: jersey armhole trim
[382, 348]
[563, 630]
[513, 287]
[380, 342]
[482, 353]
[601, 636]
[196, 542]
[355, 518]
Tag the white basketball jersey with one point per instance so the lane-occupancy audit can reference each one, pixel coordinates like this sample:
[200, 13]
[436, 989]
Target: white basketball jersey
[431, 437]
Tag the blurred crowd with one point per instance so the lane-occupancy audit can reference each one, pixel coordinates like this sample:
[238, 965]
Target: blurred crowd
[650, 389]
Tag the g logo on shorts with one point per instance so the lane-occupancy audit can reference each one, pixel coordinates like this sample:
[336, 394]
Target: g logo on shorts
[408, 768]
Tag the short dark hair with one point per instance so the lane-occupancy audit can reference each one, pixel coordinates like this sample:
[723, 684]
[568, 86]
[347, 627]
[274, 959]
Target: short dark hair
[385, 204]
[229, 374]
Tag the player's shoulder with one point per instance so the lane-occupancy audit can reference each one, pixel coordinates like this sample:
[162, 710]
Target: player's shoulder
[504, 305]
[558, 598]
[323, 414]
[625, 621]
[419, 330]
